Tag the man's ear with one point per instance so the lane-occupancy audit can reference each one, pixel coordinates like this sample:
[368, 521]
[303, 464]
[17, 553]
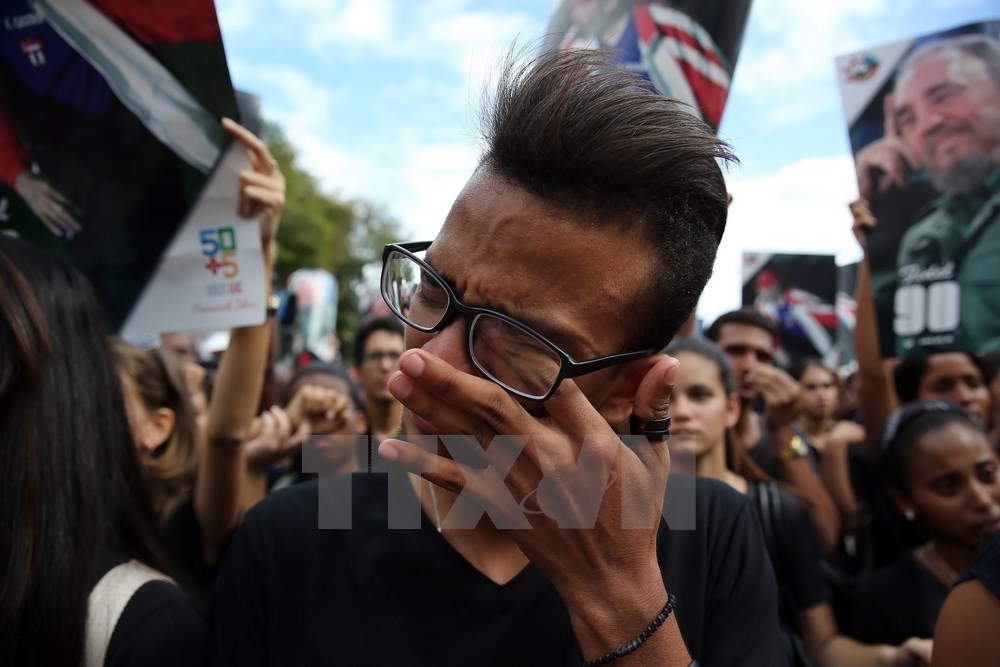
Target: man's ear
[617, 406]
[157, 428]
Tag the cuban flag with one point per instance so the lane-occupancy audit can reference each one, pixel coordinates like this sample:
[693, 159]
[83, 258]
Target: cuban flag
[682, 59]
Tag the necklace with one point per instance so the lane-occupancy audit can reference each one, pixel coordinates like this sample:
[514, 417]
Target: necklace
[437, 512]
[942, 565]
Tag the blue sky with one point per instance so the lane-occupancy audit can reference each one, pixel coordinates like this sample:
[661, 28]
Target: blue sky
[379, 96]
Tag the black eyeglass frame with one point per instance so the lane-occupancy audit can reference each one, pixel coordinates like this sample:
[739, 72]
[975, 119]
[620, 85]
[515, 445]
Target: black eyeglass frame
[568, 367]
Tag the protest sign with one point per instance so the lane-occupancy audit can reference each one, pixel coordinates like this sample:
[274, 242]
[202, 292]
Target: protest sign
[847, 313]
[687, 49]
[797, 293]
[112, 155]
[923, 117]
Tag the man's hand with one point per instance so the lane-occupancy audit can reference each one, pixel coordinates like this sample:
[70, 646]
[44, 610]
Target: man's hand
[48, 204]
[781, 395]
[888, 155]
[550, 475]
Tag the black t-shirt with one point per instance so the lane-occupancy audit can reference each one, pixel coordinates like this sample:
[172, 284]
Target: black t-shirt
[792, 543]
[290, 593]
[159, 627]
[899, 601]
[186, 553]
[986, 567]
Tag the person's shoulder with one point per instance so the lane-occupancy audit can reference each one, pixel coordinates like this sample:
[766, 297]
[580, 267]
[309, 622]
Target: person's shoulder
[160, 625]
[701, 503]
[306, 510]
[986, 567]
[289, 501]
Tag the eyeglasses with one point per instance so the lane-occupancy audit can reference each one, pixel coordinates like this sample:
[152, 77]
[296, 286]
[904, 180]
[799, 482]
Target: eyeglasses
[513, 355]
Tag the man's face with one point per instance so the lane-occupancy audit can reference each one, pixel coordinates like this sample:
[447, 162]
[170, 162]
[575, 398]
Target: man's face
[947, 112]
[748, 347]
[505, 249]
[378, 362]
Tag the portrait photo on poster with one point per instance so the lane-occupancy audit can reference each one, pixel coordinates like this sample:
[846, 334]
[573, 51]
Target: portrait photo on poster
[923, 118]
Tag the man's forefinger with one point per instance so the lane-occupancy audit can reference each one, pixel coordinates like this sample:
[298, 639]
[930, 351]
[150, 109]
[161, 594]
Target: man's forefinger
[481, 399]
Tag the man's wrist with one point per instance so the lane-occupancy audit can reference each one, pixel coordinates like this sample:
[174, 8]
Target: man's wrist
[605, 617]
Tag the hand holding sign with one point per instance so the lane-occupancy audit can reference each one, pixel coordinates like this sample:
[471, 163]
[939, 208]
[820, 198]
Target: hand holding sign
[262, 188]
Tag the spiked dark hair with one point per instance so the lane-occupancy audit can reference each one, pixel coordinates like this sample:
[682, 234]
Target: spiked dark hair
[590, 137]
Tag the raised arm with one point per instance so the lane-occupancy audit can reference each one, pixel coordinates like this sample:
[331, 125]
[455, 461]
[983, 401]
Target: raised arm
[876, 395]
[241, 370]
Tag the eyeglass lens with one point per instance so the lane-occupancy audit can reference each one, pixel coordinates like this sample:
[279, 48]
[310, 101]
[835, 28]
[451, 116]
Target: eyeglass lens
[510, 355]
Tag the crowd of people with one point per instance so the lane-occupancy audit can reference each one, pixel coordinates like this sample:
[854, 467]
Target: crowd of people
[518, 429]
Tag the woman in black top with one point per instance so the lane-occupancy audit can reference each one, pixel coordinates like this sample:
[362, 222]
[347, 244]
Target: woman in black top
[703, 405]
[73, 501]
[942, 475]
[966, 631]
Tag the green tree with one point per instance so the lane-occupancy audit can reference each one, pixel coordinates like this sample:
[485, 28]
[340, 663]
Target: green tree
[321, 231]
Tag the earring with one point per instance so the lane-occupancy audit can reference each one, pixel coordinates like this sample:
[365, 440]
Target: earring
[909, 514]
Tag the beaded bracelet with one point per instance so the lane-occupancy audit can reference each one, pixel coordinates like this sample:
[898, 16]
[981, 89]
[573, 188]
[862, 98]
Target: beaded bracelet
[638, 641]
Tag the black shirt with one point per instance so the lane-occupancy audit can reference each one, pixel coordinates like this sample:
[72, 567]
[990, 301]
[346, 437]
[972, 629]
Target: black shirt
[791, 541]
[899, 601]
[159, 627]
[986, 567]
[290, 593]
[185, 549]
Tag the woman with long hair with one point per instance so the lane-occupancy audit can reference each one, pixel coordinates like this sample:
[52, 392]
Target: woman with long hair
[703, 406]
[73, 507]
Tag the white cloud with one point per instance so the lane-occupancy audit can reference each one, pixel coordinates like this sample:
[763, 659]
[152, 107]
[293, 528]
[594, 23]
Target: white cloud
[801, 208]
[429, 179]
[796, 41]
[366, 23]
[415, 177]
[790, 47]
[237, 15]
[297, 101]
[443, 32]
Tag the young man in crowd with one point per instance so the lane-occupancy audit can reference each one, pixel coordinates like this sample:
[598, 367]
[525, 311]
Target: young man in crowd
[575, 252]
[377, 347]
[748, 339]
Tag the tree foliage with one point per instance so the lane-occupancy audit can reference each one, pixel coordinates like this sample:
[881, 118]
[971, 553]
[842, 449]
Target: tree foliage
[321, 231]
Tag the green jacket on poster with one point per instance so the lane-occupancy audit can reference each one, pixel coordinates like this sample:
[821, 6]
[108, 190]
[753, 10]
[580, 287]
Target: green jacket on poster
[947, 293]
